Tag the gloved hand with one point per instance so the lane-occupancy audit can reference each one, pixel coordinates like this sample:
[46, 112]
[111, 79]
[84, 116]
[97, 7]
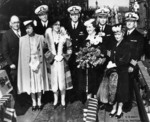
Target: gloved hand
[58, 58]
[111, 65]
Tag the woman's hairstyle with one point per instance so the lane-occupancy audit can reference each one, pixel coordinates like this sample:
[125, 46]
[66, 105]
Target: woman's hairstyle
[54, 20]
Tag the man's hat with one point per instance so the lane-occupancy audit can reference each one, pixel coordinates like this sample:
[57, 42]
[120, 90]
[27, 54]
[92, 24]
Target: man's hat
[89, 22]
[131, 16]
[74, 9]
[41, 10]
[103, 11]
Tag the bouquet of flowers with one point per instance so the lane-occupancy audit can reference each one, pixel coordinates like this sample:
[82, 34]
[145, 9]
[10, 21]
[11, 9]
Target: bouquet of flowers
[89, 56]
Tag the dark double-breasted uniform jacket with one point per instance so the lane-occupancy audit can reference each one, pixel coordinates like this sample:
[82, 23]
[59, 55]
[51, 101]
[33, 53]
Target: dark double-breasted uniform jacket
[77, 37]
[136, 42]
[108, 39]
[120, 55]
[40, 29]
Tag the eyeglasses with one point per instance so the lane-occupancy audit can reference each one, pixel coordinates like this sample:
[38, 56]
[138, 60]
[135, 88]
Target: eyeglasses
[75, 14]
[18, 22]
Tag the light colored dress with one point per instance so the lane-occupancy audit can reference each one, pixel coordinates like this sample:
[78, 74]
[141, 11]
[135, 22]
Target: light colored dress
[60, 77]
[36, 76]
[32, 72]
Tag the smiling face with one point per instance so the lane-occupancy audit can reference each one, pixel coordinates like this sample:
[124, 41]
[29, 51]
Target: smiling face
[102, 20]
[130, 24]
[56, 26]
[29, 30]
[119, 36]
[15, 23]
[90, 29]
[75, 17]
[43, 17]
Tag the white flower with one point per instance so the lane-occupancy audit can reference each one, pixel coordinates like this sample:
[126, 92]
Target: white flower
[97, 40]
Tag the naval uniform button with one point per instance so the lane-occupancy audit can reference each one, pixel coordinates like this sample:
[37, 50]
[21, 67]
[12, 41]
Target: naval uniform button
[76, 46]
[76, 39]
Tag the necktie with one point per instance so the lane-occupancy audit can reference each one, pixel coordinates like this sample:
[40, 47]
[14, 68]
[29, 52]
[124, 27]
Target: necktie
[74, 26]
[128, 33]
[18, 34]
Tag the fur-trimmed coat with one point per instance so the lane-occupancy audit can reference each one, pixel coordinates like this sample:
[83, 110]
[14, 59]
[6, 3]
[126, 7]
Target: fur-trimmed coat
[63, 49]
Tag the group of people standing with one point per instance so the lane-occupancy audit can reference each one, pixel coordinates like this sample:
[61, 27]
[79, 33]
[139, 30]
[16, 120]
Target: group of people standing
[44, 58]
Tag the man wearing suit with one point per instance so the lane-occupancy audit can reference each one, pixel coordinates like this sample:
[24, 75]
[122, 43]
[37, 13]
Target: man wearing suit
[136, 42]
[10, 49]
[43, 22]
[76, 30]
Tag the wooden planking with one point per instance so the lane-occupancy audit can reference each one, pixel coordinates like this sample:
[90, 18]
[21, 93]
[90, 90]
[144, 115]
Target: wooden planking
[29, 116]
[132, 116]
[73, 113]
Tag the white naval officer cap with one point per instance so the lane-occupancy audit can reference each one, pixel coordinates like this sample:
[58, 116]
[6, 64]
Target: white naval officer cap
[131, 16]
[41, 10]
[74, 9]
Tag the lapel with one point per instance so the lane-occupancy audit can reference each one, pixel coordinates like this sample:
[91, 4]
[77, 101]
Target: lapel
[13, 34]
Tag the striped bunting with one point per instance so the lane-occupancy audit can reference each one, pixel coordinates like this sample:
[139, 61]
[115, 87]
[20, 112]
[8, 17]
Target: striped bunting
[90, 114]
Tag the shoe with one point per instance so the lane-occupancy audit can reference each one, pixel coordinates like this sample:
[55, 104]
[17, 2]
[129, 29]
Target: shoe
[39, 107]
[34, 108]
[112, 115]
[55, 106]
[64, 107]
[119, 116]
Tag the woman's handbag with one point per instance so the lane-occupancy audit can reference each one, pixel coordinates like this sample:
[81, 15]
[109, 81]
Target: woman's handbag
[49, 57]
[112, 86]
[102, 93]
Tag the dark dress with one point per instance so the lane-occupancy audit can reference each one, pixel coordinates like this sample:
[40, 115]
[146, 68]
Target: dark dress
[94, 74]
[120, 55]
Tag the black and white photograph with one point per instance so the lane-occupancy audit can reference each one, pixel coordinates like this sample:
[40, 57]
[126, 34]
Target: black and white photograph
[74, 60]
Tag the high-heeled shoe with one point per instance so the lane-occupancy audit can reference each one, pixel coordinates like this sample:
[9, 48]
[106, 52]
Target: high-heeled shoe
[64, 107]
[119, 116]
[112, 115]
[39, 107]
[55, 106]
[34, 108]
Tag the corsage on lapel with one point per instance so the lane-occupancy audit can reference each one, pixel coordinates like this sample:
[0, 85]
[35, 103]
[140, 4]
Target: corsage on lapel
[81, 33]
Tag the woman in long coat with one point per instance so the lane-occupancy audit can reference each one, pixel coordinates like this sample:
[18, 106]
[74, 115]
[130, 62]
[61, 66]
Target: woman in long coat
[32, 76]
[120, 57]
[60, 47]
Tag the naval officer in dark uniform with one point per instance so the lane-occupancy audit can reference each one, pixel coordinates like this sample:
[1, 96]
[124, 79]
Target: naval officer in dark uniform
[136, 42]
[42, 23]
[76, 30]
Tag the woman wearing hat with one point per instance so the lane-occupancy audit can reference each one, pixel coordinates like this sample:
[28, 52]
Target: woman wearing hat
[32, 77]
[60, 46]
[94, 72]
[120, 57]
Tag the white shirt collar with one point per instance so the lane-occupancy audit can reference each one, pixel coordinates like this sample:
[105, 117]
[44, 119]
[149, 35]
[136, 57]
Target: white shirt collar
[44, 23]
[102, 26]
[74, 24]
[130, 31]
[17, 32]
